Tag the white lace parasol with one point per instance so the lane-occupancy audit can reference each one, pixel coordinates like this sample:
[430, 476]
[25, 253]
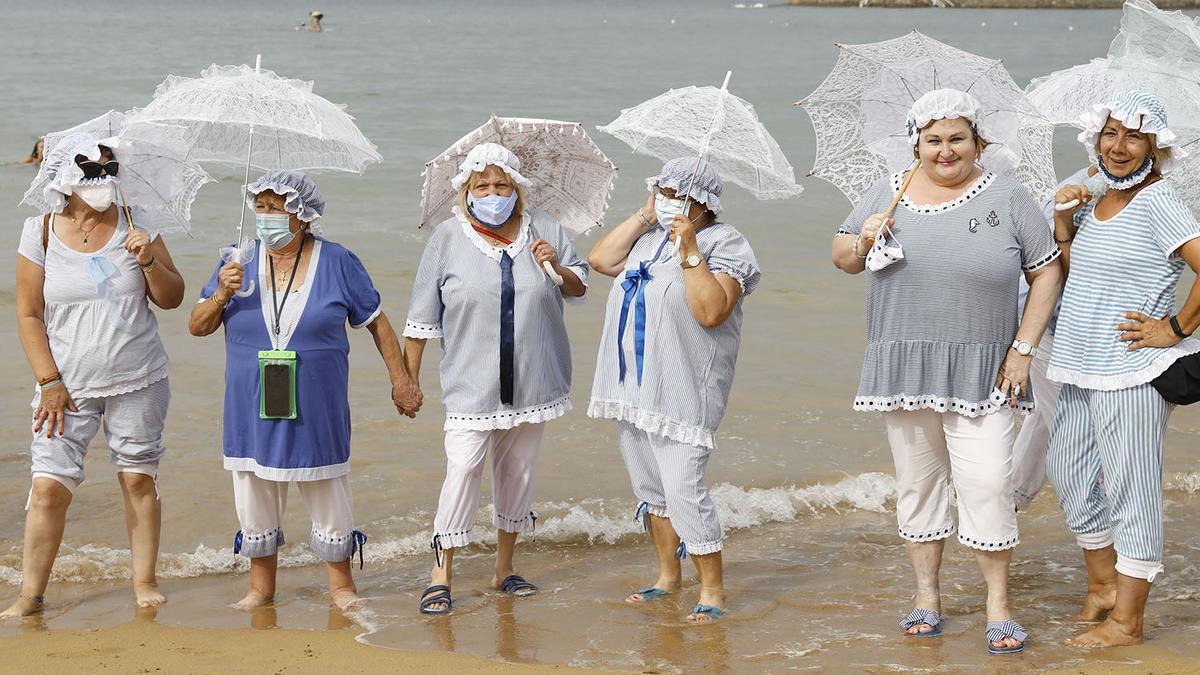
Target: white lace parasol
[712, 123]
[859, 113]
[293, 128]
[1065, 95]
[570, 178]
[155, 177]
[1159, 52]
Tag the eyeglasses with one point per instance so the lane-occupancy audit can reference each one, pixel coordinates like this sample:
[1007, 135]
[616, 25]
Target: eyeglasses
[93, 169]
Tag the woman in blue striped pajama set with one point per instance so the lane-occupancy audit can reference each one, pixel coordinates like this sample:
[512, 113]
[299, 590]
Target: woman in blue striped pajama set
[1124, 252]
[666, 363]
[506, 361]
[942, 364]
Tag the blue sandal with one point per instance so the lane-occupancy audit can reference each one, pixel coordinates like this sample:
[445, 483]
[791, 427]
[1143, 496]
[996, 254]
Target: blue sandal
[441, 596]
[710, 611]
[923, 617]
[516, 585]
[649, 594]
[999, 630]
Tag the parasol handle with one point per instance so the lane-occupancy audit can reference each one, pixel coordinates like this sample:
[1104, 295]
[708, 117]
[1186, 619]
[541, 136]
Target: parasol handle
[1067, 206]
[245, 184]
[899, 195]
[554, 276]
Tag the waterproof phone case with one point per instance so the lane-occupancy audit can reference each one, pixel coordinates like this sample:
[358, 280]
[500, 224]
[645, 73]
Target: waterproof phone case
[277, 384]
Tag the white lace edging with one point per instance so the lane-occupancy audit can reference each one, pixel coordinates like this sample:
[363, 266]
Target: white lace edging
[981, 545]
[507, 419]
[153, 377]
[991, 404]
[422, 331]
[651, 422]
[1134, 378]
[487, 249]
[736, 277]
[980, 185]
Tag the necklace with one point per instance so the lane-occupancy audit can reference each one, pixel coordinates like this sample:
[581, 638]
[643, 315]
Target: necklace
[86, 233]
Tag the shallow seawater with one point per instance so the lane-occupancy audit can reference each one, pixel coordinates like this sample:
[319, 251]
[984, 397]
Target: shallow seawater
[816, 575]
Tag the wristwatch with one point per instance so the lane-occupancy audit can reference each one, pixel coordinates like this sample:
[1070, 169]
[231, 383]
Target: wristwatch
[691, 261]
[1024, 348]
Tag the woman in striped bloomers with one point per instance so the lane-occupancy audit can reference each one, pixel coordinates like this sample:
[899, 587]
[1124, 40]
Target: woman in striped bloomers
[287, 410]
[666, 362]
[947, 360]
[506, 361]
[1124, 252]
[84, 276]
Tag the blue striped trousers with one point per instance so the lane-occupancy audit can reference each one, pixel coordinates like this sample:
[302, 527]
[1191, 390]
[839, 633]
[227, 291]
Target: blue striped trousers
[1105, 462]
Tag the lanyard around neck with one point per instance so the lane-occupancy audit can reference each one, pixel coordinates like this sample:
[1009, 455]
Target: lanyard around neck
[276, 303]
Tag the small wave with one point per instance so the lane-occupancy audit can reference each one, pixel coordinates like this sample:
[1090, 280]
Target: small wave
[1183, 481]
[589, 521]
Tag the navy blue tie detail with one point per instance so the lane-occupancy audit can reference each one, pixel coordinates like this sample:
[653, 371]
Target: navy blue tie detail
[642, 515]
[358, 540]
[681, 551]
[508, 296]
[237, 543]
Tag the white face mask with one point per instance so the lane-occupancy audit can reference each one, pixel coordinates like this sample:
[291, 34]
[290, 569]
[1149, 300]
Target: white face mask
[666, 209]
[883, 253]
[98, 196]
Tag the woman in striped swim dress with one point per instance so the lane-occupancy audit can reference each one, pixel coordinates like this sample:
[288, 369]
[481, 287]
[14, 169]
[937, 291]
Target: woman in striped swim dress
[506, 361]
[1124, 251]
[947, 358]
[666, 362]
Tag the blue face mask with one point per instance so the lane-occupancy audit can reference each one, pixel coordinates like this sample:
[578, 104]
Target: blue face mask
[274, 229]
[492, 210]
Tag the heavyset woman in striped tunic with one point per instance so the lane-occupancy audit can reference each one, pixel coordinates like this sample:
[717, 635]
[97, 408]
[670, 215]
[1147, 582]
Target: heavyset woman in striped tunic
[942, 363]
[506, 361]
[665, 367]
[1124, 252]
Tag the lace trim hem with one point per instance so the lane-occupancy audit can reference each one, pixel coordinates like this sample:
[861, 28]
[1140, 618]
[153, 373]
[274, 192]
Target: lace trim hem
[1134, 378]
[422, 331]
[929, 536]
[453, 539]
[507, 419]
[140, 383]
[982, 545]
[651, 422]
[991, 404]
[980, 185]
[705, 548]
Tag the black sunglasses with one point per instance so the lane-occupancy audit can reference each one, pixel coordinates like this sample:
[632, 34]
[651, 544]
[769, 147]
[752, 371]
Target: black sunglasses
[93, 169]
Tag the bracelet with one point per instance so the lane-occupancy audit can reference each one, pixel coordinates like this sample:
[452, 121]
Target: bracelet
[49, 378]
[1064, 241]
[39, 599]
[1176, 327]
[217, 301]
[642, 217]
[50, 385]
[148, 266]
[854, 248]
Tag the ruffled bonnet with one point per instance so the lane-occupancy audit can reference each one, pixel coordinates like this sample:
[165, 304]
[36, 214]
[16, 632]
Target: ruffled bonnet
[677, 174]
[58, 174]
[942, 104]
[299, 192]
[1135, 110]
[481, 156]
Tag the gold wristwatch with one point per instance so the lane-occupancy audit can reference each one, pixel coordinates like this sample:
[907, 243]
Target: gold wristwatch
[691, 261]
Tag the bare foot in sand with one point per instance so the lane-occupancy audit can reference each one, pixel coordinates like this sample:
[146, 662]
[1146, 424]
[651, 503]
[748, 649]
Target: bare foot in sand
[1108, 634]
[346, 599]
[253, 600]
[23, 607]
[1099, 602]
[148, 595]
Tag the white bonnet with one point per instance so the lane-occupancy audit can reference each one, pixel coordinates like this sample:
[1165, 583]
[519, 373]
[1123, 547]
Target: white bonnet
[481, 156]
[941, 104]
[1135, 110]
[59, 173]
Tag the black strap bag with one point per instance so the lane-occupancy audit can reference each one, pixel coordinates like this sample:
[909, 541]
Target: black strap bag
[1180, 383]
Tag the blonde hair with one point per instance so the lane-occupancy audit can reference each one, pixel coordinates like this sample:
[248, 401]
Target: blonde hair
[980, 143]
[473, 180]
[1159, 155]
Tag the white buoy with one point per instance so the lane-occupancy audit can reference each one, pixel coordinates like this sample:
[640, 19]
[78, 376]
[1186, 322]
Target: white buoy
[1070, 28]
[672, 21]
[983, 24]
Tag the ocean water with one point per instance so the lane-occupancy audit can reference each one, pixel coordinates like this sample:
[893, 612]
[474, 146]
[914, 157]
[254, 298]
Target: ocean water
[817, 577]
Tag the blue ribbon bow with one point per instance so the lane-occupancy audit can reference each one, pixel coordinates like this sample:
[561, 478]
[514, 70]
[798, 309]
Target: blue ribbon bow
[508, 295]
[100, 269]
[358, 539]
[643, 514]
[635, 289]
[237, 543]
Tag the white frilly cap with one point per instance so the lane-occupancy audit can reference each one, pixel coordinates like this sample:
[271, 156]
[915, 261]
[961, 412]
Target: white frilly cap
[58, 174]
[704, 186]
[299, 192]
[481, 156]
[941, 104]
[1135, 110]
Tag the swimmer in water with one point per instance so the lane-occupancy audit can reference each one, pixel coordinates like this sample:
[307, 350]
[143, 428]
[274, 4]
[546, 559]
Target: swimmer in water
[35, 155]
[314, 22]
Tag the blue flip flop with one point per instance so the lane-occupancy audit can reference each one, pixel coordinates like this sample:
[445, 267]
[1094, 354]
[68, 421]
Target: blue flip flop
[649, 594]
[516, 585]
[708, 610]
[999, 630]
[926, 617]
[441, 595]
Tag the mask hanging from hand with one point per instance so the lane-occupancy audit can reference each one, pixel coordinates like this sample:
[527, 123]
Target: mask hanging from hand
[884, 252]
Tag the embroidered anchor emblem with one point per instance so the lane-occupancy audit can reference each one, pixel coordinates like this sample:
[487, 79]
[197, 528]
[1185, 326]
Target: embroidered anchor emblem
[973, 226]
[993, 219]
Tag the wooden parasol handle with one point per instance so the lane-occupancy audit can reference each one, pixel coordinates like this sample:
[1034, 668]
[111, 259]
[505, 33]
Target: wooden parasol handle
[899, 195]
